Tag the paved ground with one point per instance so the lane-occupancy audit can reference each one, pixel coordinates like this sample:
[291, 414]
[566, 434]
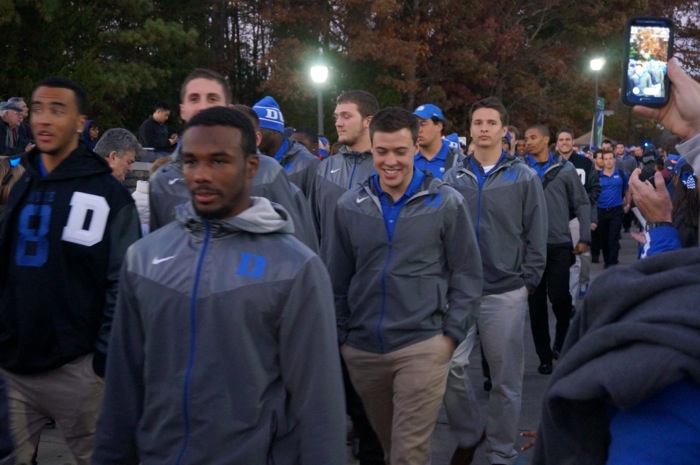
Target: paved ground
[53, 450]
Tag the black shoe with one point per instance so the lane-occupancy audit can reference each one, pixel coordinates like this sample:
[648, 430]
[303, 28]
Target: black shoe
[545, 368]
[555, 355]
[488, 385]
[465, 456]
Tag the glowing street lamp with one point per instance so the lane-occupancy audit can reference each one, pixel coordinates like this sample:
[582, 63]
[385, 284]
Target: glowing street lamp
[596, 65]
[319, 74]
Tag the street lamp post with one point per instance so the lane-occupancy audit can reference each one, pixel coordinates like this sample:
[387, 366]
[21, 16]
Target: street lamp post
[596, 65]
[319, 74]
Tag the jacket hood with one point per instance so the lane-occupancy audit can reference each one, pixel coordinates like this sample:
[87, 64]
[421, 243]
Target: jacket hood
[262, 217]
[343, 150]
[80, 163]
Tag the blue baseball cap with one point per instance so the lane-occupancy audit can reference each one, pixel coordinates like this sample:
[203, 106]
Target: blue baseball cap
[428, 111]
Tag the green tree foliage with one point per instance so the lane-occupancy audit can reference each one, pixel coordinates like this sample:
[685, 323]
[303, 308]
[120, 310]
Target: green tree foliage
[534, 55]
[126, 58]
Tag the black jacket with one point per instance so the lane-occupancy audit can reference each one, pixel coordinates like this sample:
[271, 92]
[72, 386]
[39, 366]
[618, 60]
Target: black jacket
[62, 241]
[20, 145]
[155, 135]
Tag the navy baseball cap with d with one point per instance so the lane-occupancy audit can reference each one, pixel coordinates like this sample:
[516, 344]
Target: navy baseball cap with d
[428, 111]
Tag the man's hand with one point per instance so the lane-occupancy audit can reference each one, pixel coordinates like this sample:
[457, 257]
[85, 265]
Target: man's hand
[681, 115]
[450, 343]
[29, 147]
[580, 248]
[594, 226]
[653, 203]
[529, 434]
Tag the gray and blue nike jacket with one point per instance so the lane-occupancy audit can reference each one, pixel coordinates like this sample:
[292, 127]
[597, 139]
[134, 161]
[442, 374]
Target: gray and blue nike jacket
[167, 190]
[425, 280]
[335, 176]
[563, 191]
[223, 348]
[509, 212]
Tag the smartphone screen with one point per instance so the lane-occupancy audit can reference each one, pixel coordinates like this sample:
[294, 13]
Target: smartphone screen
[649, 44]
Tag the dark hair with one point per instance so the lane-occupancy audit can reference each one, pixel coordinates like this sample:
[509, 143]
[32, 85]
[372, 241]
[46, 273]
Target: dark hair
[607, 141]
[250, 113]
[203, 73]
[309, 133]
[670, 144]
[393, 119]
[598, 152]
[544, 130]
[224, 116]
[686, 200]
[567, 131]
[366, 103]
[514, 130]
[493, 103]
[117, 140]
[56, 82]
[161, 106]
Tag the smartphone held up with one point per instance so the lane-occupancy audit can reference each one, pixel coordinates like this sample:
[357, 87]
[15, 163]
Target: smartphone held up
[648, 48]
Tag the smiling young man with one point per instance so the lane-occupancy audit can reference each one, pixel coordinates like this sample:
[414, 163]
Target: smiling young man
[506, 203]
[202, 89]
[563, 192]
[67, 227]
[212, 363]
[407, 278]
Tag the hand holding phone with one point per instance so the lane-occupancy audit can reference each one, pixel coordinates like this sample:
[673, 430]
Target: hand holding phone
[648, 48]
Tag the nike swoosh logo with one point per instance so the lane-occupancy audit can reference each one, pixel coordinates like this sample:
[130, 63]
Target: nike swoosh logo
[360, 200]
[173, 181]
[460, 175]
[157, 260]
[335, 170]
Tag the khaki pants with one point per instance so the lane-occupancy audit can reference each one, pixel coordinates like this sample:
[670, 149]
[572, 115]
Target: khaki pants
[402, 392]
[71, 395]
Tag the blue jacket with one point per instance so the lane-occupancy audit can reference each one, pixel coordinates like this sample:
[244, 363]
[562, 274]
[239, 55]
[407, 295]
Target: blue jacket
[298, 164]
[223, 348]
[167, 190]
[510, 217]
[334, 176]
[426, 280]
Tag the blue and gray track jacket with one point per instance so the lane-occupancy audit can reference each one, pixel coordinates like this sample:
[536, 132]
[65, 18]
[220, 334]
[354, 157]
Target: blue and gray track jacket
[563, 191]
[335, 176]
[510, 216]
[167, 190]
[223, 348]
[298, 164]
[426, 280]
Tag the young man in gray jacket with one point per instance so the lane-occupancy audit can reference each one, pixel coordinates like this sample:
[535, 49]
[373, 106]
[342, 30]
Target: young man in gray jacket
[507, 204]
[405, 268]
[223, 347]
[202, 89]
[563, 193]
